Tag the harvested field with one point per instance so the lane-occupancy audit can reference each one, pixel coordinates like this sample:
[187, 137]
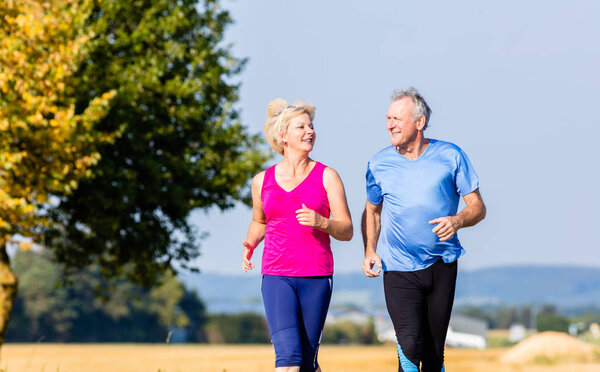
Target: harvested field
[551, 347]
[251, 358]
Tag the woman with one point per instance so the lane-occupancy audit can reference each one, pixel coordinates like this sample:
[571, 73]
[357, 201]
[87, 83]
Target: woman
[292, 204]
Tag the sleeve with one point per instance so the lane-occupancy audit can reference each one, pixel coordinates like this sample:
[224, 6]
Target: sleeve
[466, 178]
[374, 194]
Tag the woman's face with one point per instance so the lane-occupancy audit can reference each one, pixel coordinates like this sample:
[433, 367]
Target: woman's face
[300, 134]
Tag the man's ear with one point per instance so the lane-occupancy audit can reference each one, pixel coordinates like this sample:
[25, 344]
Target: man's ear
[421, 123]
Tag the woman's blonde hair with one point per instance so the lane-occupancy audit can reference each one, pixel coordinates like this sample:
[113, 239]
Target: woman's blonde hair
[279, 114]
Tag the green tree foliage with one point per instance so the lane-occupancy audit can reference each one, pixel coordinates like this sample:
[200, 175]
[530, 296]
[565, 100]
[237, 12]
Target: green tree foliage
[552, 322]
[41, 310]
[183, 147]
[94, 309]
[194, 308]
[347, 332]
[243, 328]
[548, 319]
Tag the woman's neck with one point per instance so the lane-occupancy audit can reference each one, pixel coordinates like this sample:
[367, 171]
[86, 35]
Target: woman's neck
[296, 164]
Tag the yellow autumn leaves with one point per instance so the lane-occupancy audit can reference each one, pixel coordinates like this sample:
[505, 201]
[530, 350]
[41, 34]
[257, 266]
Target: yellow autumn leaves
[45, 146]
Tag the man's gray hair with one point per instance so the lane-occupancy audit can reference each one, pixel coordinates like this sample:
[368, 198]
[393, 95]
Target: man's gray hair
[420, 107]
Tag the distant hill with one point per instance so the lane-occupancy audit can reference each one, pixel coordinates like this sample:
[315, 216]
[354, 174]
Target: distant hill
[563, 286]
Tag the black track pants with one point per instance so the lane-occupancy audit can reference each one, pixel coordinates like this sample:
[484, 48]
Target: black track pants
[420, 303]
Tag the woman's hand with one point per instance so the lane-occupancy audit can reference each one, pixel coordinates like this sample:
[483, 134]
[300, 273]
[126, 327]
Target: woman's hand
[246, 256]
[309, 217]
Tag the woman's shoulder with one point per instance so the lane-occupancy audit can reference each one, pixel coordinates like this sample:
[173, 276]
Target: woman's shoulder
[329, 171]
[260, 175]
[330, 176]
[258, 179]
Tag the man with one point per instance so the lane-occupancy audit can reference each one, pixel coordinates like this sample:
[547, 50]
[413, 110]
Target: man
[413, 190]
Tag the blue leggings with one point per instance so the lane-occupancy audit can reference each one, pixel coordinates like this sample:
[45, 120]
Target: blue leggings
[296, 308]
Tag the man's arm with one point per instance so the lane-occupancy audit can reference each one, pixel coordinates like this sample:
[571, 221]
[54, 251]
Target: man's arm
[473, 213]
[370, 227]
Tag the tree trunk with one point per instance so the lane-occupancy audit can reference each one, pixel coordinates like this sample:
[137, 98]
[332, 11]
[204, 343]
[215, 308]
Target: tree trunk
[8, 290]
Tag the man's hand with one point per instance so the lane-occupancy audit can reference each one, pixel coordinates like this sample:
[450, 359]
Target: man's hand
[246, 256]
[309, 217]
[369, 262]
[446, 227]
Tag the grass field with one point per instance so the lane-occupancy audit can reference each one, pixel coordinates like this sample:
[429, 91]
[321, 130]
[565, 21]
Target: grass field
[252, 358]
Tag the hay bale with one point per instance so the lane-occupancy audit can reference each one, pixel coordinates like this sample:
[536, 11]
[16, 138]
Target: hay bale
[550, 347]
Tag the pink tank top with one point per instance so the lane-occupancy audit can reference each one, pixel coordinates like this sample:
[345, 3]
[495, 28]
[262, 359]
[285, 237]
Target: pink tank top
[292, 249]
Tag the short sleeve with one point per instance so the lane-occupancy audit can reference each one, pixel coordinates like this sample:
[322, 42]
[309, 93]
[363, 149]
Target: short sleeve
[374, 195]
[466, 178]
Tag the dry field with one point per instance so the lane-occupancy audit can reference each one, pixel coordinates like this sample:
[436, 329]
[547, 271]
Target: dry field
[253, 358]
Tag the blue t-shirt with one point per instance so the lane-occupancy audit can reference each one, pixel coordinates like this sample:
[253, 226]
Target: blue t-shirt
[414, 192]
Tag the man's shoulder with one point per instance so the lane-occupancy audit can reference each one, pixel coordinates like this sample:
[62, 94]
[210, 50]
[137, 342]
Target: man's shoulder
[445, 146]
[382, 154]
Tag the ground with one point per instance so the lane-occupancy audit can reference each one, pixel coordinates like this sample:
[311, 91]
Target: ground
[225, 358]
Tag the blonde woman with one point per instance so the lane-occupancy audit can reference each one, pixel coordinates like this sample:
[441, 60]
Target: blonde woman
[297, 205]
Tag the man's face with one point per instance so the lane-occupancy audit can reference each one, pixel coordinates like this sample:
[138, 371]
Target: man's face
[400, 123]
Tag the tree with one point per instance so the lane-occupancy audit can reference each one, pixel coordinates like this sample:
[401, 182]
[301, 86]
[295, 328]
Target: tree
[548, 319]
[242, 328]
[183, 146]
[94, 309]
[552, 322]
[47, 146]
[195, 310]
[42, 311]
[349, 332]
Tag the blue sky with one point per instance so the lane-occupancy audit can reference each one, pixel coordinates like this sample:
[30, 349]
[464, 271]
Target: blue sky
[515, 84]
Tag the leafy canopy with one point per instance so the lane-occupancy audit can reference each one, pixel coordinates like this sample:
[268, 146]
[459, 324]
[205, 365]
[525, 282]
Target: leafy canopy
[183, 146]
[46, 147]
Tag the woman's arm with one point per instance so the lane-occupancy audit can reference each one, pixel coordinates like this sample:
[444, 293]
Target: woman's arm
[258, 225]
[339, 226]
